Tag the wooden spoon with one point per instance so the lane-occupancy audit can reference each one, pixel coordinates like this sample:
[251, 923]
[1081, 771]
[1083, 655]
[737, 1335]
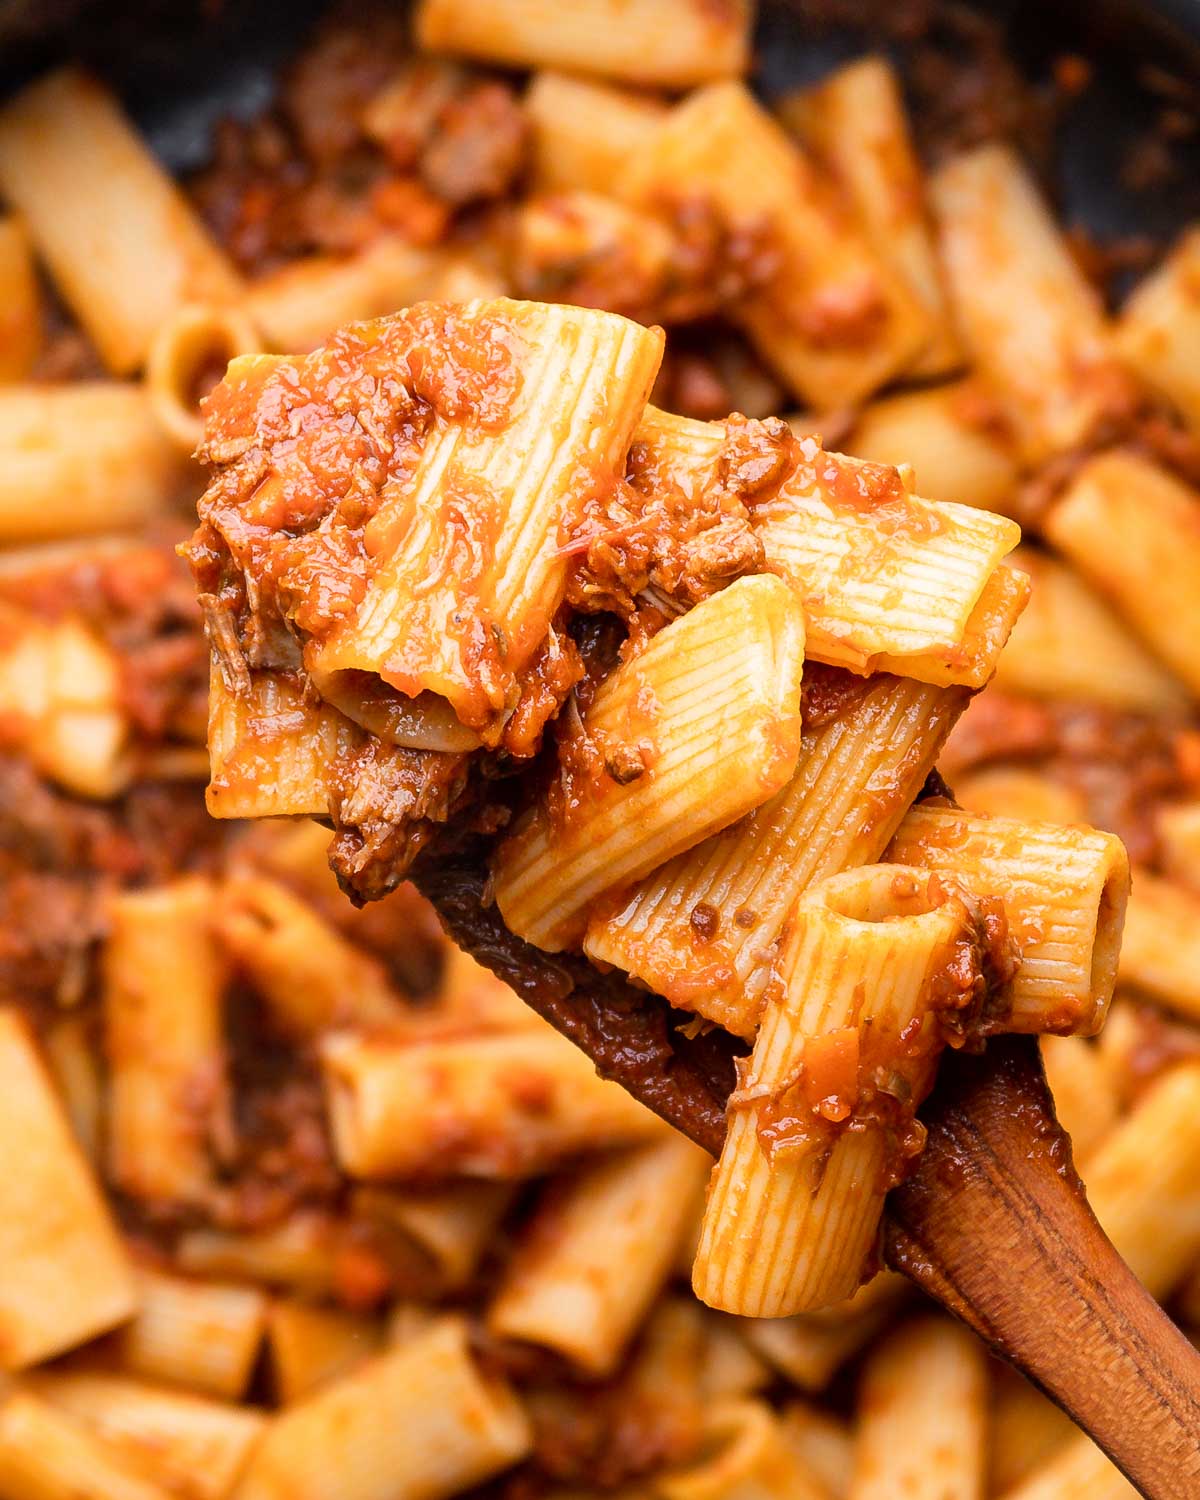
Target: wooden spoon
[994, 1224]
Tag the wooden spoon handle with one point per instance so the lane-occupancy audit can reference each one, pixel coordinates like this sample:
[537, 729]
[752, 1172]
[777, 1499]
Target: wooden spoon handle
[995, 1226]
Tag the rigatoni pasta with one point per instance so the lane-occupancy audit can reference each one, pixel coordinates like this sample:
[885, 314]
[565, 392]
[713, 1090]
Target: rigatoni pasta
[1030, 321]
[795, 1201]
[422, 1420]
[1064, 892]
[1158, 326]
[670, 43]
[65, 1275]
[124, 246]
[704, 725]
[20, 299]
[702, 929]
[833, 320]
[584, 131]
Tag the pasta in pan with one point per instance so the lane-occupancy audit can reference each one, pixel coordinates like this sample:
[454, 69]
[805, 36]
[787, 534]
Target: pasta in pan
[302, 1202]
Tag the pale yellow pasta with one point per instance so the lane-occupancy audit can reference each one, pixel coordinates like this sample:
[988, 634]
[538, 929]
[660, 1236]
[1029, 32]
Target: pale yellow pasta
[46, 1455]
[597, 1250]
[584, 132]
[664, 1378]
[496, 1105]
[795, 1201]
[60, 692]
[420, 1422]
[744, 1456]
[20, 303]
[310, 976]
[669, 43]
[1069, 644]
[953, 436]
[271, 748]
[1078, 1471]
[703, 929]
[82, 458]
[695, 730]
[1085, 1099]
[1031, 323]
[191, 346]
[834, 321]
[64, 1274]
[203, 1335]
[1026, 1429]
[1161, 945]
[922, 1411]
[299, 305]
[300, 1254]
[1014, 791]
[584, 379]
[1158, 330]
[1143, 1181]
[310, 1345]
[1064, 891]
[576, 233]
[1178, 828]
[856, 124]
[450, 1227]
[72, 1060]
[125, 247]
[810, 1348]
[194, 1447]
[889, 582]
[169, 1121]
[823, 1444]
[1133, 531]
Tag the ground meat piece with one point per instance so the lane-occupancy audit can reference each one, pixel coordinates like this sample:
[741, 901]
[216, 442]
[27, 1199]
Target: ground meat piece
[479, 146]
[332, 80]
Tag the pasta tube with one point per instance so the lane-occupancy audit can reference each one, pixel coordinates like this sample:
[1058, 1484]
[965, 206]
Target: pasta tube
[833, 320]
[82, 458]
[1064, 892]
[422, 1421]
[745, 1456]
[823, 1444]
[311, 977]
[1014, 792]
[20, 303]
[169, 1110]
[679, 741]
[810, 1348]
[922, 1423]
[301, 304]
[670, 43]
[451, 1227]
[123, 244]
[855, 123]
[1161, 943]
[494, 1105]
[192, 347]
[954, 437]
[889, 582]
[1158, 330]
[1069, 644]
[597, 1250]
[585, 132]
[527, 413]
[795, 1201]
[204, 1335]
[1031, 323]
[1178, 828]
[300, 1254]
[1085, 1098]
[64, 1273]
[702, 929]
[195, 1448]
[1133, 531]
[60, 694]
[1080, 1471]
[45, 1455]
[311, 1346]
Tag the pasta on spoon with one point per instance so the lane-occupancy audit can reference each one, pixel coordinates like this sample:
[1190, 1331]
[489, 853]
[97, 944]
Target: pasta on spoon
[678, 684]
